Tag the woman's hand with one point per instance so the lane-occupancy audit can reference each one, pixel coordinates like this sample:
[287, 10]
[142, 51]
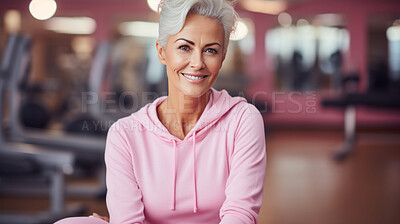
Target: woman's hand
[105, 218]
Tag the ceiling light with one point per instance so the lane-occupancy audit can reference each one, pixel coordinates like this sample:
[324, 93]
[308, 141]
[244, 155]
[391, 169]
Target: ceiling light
[42, 9]
[153, 4]
[285, 19]
[240, 32]
[139, 28]
[12, 21]
[393, 33]
[267, 7]
[72, 25]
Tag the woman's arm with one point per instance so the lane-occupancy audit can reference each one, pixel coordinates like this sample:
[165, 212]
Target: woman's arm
[244, 188]
[124, 198]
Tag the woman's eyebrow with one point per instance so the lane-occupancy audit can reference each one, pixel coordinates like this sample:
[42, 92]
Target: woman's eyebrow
[192, 43]
[207, 45]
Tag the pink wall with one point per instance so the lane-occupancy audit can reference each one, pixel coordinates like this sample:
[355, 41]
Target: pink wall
[291, 108]
[288, 108]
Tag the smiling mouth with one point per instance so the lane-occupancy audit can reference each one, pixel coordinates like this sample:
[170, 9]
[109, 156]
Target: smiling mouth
[194, 77]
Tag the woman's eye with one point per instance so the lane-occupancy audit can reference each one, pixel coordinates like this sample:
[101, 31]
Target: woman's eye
[212, 51]
[184, 48]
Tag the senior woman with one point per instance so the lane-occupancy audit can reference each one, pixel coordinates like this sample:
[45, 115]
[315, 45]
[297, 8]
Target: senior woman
[197, 155]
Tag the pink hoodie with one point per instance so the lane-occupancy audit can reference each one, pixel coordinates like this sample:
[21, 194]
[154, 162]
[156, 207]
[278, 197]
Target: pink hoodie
[214, 175]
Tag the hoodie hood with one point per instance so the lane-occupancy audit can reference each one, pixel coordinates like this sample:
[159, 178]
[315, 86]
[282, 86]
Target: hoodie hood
[218, 105]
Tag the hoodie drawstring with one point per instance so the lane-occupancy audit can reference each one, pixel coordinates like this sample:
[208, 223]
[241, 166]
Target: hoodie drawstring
[194, 176]
[173, 178]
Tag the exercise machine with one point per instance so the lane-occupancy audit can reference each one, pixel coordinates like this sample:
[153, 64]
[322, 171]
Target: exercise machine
[26, 168]
[88, 152]
[383, 99]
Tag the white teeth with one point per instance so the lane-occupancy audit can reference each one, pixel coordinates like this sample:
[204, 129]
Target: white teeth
[193, 77]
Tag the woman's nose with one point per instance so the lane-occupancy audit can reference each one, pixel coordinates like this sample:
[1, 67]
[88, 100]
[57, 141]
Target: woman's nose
[197, 61]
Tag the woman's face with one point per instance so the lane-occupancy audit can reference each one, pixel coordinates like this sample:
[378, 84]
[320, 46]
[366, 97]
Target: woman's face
[194, 56]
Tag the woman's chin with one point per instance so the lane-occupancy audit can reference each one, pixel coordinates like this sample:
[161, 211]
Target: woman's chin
[195, 92]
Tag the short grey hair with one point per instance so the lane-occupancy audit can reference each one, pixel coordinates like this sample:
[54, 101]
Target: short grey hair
[173, 14]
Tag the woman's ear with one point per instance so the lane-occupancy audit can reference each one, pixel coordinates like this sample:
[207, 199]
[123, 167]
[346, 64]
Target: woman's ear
[161, 53]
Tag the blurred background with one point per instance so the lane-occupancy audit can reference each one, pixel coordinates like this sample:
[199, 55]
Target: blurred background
[325, 74]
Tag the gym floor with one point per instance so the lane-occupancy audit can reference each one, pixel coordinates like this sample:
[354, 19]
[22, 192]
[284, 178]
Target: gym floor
[304, 185]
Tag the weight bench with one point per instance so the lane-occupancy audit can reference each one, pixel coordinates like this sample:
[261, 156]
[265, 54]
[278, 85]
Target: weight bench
[389, 100]
[26, 170]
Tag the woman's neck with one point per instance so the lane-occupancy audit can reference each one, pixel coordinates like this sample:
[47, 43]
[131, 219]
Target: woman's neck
[180, 113]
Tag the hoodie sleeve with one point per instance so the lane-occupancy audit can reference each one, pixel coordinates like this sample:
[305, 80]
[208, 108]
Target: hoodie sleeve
[124, 198]
[244, 187]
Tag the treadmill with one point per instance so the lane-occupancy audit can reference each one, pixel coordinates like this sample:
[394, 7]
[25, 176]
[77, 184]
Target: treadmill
[25, 168]
[87, 150]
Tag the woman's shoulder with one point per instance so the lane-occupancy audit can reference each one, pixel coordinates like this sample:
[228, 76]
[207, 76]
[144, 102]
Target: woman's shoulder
[234, 103]
[143, 119]
[125, 126]
[124, 123]
[244, 108]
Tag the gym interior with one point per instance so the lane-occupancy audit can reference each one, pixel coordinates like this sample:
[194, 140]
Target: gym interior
[325, 75]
